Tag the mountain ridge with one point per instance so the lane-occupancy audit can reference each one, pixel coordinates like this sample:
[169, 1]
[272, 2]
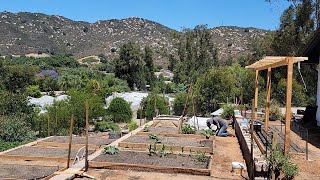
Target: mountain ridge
[23, 33]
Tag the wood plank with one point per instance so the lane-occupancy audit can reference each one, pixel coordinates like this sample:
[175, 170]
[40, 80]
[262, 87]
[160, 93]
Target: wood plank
[288, 107]
[268, 100]
[34, 158]
[260, 145]
[164, 169]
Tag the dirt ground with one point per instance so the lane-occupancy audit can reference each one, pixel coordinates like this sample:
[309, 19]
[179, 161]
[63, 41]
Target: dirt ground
[308, 169]
[227, 150]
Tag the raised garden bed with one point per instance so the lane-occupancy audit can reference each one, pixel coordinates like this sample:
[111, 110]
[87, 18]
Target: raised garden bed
[171, 143]
[163, 130]
[77, 142]
[37, 153]
[170, 163]
[13, 171]
[80, 140]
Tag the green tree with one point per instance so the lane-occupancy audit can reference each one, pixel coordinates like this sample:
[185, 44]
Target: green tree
[196, 53]
[18, 77]
[298, 95]
[148, 106]
[78, 105]
[149, 68]
[129, 65]
[179, 103]
[33, 91]
[120, 110]
[213, 87]
[12, 104]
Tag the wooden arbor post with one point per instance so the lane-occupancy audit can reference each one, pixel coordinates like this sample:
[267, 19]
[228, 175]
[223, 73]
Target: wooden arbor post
[288, 106]
[256, 93]
[268, 99]
[87, 134]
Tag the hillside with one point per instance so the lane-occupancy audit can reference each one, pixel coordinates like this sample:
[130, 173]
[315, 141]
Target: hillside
[24, 33]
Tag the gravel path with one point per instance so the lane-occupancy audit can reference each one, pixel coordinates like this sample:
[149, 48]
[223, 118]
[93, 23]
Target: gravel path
[44, 152]
[80, 140]
[172, 160]
[171, 141]
[25, 172]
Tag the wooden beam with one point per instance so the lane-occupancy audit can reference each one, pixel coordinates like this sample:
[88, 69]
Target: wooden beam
[288, 107]
[87, 135]
[256, 93]
[268, 99]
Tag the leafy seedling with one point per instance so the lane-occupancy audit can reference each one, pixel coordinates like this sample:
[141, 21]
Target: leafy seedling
[207, 133]
[146, 128]
[163, 150]
[154, 148]
[201, 157]
[112, 150]
[171, 149]
[150, 150]
[155, 137]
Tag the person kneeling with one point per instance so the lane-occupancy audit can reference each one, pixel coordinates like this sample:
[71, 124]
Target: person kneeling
[222, 125]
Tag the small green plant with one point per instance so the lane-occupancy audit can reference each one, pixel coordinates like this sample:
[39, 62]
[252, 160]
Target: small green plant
[207, 133]
[104, 126]
[112, 150]
[171, 149]
[154, 148]
[187, 129]
[163, 150]
[150, 150]
[154, 136]
[281, 163]
[201, 157]
[290, 170]
[132, 125]
[146, 128]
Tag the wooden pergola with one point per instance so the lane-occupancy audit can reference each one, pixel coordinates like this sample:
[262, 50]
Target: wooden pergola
[267, 63]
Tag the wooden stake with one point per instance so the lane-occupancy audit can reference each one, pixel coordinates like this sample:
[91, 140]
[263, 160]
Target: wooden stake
[268, 99]
[185, 105]
[70, 140]
[256, 95]
[155, 105]
[56, 121]
[140, 115]
[252, 141]
[3, 123]
[48, 124]
[288, 106]
[87, 134]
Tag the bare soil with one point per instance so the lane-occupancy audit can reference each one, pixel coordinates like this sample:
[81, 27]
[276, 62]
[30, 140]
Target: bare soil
[107, 174]
[172, 160]
[80, 140]
[43, 152]
[159, 130]
[171, 141]
[25, 172]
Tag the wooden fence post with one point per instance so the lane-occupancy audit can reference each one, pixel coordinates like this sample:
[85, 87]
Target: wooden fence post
[70, 140]
[87, 134]
[48, 124]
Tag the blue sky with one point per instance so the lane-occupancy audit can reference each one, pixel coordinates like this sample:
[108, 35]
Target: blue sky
[172, 13]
